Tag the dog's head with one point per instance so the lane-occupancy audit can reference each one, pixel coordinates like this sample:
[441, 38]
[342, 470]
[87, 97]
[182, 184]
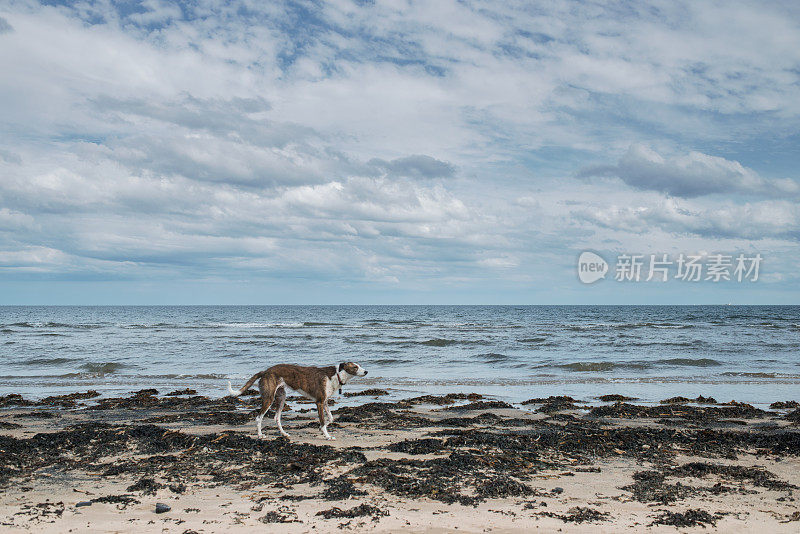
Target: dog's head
[352, 369]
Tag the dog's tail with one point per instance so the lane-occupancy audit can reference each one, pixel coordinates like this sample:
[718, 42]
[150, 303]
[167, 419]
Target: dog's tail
[236, 393]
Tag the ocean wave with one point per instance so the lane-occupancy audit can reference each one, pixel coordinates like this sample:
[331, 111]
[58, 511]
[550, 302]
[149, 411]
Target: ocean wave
[444, 342]
[402, 341]
[600, 366]
[36, 324]
[104, 367]
[492, 357]
[750, 375]
[148, 325]
[44, 362]
[693, 344]
[388, 361]
[378, 322]
[611, 365]
[256, 325]
[438, 342]
[624, 326]
[690, 362]
[532, 340]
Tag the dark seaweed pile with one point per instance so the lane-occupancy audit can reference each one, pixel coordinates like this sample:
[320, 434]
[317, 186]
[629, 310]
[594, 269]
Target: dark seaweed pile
[689, 518]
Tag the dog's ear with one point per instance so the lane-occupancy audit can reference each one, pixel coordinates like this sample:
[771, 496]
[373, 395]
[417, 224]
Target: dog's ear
[339, 369]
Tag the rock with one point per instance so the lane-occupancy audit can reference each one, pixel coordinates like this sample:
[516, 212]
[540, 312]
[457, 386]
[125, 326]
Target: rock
[83, 503]
[558, 490]
[162, 508]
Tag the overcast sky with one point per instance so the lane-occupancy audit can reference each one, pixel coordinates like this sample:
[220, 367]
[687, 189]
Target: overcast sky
[393, 151]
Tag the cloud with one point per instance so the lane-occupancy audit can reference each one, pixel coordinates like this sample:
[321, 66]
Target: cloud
[5, 27]
[415, 166]
[764, 220]
[413, 144]
[691, 175]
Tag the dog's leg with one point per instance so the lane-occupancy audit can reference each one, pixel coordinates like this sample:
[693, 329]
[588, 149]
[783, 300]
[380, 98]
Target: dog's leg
[280, 398]
[267, 385]
[323, 422]
[328, 414]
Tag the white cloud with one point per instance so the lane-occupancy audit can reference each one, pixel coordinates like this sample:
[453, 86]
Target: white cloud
[772, 219]
[691, 175]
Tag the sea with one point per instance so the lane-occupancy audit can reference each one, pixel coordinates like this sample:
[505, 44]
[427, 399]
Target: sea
[512, 353]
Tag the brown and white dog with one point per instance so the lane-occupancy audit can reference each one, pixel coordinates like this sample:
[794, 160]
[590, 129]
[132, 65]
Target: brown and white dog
[317, 383]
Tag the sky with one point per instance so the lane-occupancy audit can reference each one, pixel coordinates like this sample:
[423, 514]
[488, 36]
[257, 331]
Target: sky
[394, 152]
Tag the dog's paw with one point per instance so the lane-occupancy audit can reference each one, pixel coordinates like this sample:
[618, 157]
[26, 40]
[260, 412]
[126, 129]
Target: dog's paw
[285, 435]
[330, 438]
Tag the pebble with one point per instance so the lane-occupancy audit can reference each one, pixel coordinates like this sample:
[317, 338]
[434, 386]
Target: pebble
[161, 508]
[83, 503]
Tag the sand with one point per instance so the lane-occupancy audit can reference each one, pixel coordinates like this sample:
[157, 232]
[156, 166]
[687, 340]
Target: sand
[435, 464]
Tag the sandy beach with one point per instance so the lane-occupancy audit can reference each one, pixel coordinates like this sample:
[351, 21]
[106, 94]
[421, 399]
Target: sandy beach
[461, 462]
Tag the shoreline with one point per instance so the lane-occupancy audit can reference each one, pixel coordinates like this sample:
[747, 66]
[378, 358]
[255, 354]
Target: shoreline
[425, 464]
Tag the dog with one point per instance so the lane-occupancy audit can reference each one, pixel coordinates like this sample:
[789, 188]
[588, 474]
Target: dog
[316, 383]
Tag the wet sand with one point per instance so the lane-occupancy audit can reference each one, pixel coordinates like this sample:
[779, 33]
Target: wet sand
[83, 463]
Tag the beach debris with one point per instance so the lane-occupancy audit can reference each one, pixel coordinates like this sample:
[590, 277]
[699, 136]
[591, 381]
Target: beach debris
[651, 486]
[441, 400]
[615, 397]
[675, 400]
[695, 413]
[69, 400]
[705, 400]
[579, 514]
[5, 425]
[179, 392]
[162, 508]
[147, 486]
[481, 405]
[83, 503]
[122, 501]
[14, 399]
[283, 514]
[341, 488]
[473, 457]
[794, 516]
[503, 486]
[418, 446]
[362, 510]
[373, 392]
[556, 399]
[785, 405]
[44, 511]
[699, 400]
[689, 518]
